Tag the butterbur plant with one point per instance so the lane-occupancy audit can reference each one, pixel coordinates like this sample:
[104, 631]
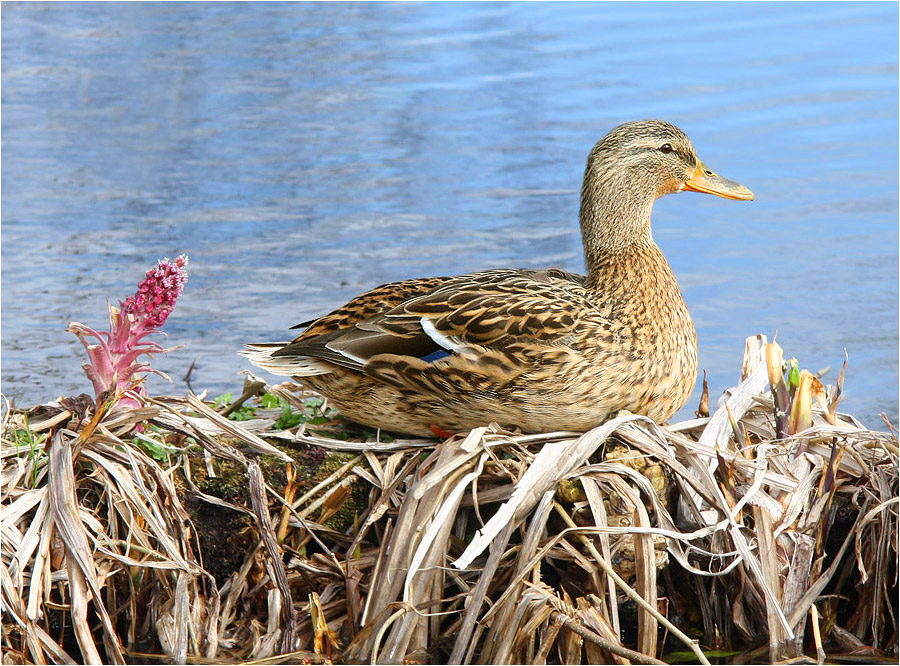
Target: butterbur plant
[114, 363]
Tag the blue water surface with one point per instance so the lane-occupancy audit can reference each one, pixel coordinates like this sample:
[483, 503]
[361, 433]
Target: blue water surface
[301, 153]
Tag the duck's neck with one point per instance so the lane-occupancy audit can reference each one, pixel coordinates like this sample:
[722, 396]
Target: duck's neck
[615, 228]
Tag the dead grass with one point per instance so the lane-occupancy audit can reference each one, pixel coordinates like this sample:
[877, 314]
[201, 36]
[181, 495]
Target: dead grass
[746, 530]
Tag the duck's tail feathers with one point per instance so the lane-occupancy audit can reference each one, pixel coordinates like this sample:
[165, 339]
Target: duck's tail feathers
[262, 356]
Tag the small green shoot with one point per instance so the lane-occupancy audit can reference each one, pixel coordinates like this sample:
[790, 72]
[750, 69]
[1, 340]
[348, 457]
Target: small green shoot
[244, 413]
[793, 374]
[159, 452]
[269, 401]
[34, 443]
[291, 418]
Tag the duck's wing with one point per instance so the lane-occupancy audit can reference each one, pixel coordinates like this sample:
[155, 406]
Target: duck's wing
[370, 304]
[303, 355]
[490, 309]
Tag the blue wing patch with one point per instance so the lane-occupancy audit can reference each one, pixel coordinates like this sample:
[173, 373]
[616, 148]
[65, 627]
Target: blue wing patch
[435, 356]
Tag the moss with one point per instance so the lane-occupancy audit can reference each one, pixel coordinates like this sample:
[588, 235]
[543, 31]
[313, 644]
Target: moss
[356, 499]
[226, 536]
[569, 491]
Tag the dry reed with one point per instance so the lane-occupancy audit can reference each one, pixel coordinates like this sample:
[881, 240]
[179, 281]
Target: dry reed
[770, 525]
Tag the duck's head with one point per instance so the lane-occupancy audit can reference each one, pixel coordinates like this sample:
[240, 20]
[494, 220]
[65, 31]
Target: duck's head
[631, 167]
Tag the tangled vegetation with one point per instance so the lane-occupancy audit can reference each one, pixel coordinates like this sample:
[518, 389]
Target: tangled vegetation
[266, 529]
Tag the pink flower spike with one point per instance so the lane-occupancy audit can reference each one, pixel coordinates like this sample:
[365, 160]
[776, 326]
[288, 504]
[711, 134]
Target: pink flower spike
[157, 293]
[113, 366]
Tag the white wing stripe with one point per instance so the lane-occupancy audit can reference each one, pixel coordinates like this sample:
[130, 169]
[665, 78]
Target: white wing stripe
[438, 337]
[344, 352]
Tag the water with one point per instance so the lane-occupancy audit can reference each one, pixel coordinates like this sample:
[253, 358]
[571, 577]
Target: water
[302, 153]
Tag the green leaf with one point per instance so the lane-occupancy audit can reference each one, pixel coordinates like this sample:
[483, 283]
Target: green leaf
[269, 401]
[289, 418]
[222, 400]
[245, 413]
[151, 448]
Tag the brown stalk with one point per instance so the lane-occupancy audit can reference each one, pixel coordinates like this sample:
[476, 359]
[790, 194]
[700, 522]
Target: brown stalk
[267, 534]
[774, 364]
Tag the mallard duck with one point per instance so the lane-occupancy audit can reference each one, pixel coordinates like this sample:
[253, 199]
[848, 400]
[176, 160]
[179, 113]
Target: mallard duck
[541, 350]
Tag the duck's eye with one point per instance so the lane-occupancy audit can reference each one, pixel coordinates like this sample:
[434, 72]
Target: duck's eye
[666, 148]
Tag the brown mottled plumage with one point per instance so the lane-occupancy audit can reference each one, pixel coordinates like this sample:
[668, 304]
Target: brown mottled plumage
[541, 350]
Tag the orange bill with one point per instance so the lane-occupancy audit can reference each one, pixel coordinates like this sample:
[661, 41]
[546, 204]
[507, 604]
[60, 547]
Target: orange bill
[709, 182]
